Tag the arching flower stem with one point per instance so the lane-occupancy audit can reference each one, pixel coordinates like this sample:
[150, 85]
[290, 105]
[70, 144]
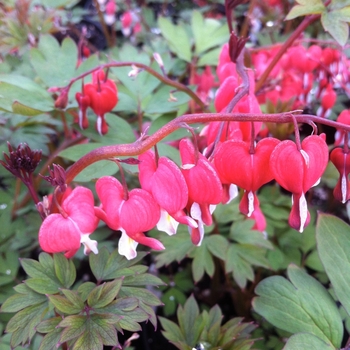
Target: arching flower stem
[142, 145]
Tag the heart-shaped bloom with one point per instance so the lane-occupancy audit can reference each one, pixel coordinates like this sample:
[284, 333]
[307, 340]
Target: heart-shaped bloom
[132, 213]
[65, 232]
[341, 161]
[297, 171]
[236, 164]
[103, 97]
[164, 180]
[204, 186]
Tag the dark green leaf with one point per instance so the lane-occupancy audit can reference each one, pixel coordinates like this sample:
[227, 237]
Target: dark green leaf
[73, 326]
[104, 294]
[42, 285]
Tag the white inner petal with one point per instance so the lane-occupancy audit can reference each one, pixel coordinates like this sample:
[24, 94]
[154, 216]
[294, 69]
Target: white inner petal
[302, 212]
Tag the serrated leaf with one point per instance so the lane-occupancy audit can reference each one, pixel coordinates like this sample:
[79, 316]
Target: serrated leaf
[177, 38]
[302, 305]
[63, 305]
[306, 341]
[64, 269]
[333, 243]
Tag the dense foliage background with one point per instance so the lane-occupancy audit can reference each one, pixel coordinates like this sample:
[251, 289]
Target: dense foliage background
[232, 291]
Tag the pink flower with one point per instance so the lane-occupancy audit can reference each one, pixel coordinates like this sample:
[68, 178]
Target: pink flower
[341, 161]
[297, 171]
[131, 212]
[204, 187]
[65, 232]
[236, 164]
[164, 180]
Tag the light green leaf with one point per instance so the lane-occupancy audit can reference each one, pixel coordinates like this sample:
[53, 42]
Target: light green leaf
[177, 38]
[311, 7]
[207, 32]
[336, 23]
[63, 305]
[333, 243]
[104, 294]
[301, 305]
[306, 341]
[64, 58]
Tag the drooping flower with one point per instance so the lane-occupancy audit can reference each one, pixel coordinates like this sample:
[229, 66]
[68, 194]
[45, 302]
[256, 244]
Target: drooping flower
[103, 97]
[204, 187]
[67, 230]
[297, 171]
[249, 169]
[132, 212]
[164, 180]
[341, 161]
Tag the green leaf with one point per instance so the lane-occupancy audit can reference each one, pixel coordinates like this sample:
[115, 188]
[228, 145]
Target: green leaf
[64, 56]
[18, 302]
[65, 306]
[73, 326]
[74, 297]
[104, 294]
[241, 232]
[21, 95]
[337, 24]
[23, 324]
[311, 7]
[191, 323]
[48, 325]
[302, 305]
[177, 38]
[202, 262]
[51, 340]
[207, 32]
[42, 285]
[333, 243]
[301, 341]
[64, 269]
[176, 247]
[171, 331]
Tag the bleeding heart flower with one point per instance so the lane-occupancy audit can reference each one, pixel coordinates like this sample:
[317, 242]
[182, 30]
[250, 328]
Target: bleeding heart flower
[297, 171]
[65, 232]
[131, 212]
[204, 186]
[164, 180]
[249, 169]
[103, 98]
[341, 161]
[83, 103]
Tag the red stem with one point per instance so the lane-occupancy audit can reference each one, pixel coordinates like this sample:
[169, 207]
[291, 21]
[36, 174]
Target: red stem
[142, 145]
